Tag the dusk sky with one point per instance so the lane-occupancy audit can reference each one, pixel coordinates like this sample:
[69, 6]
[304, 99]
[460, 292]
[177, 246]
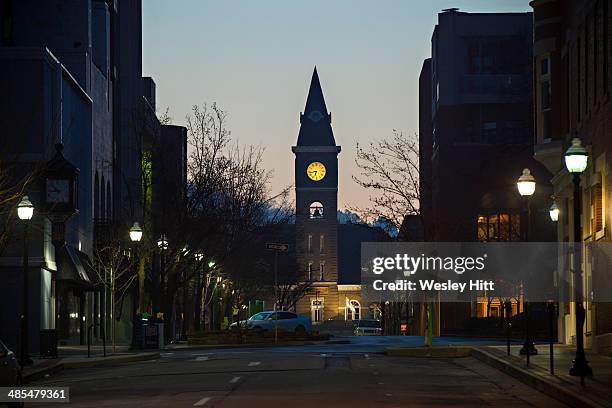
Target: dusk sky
[255, 59]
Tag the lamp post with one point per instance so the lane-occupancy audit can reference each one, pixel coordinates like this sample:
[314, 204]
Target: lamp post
[576, 160]
[162, 244]
[526, 186]
[135, 234]
[25, 211]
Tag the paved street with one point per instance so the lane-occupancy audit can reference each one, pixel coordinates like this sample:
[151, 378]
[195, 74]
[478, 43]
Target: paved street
[326, 376]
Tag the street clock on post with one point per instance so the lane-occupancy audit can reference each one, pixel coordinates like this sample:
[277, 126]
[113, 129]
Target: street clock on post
[60, 192]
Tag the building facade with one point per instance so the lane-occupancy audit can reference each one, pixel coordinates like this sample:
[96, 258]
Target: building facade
[571, 64]
[476, 119]
[72, 73]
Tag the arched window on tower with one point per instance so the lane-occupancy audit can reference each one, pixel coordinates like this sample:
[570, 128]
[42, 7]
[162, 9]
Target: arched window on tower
[316, 210]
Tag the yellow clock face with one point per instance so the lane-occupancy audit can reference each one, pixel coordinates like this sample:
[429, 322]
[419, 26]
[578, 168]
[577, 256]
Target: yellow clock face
[316, 171]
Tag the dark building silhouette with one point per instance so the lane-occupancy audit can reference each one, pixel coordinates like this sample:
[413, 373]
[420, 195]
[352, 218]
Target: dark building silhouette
[71, 72]
[477, 136]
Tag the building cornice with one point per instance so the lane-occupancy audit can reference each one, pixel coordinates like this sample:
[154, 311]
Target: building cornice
[316, 149]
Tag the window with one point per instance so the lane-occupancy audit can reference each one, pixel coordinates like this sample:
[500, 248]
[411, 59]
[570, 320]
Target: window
[597, 208]
[316, 309]
[316, 210]
[545, 66]
[309, 271]
[545, 98]
[604, 67]
[499, 227]
[586, 65]
[309, 248]
[321, 270]
[578, 79]
[322, 243]
[595, 50]
[489, 132]
[352, 310]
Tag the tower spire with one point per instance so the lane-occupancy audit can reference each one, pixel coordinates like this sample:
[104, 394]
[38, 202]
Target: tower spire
[315, 129]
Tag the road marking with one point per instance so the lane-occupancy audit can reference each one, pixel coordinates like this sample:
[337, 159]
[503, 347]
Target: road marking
[202, 358]
[324, 355]
[167, 354]
[389, 395]
[381, 383]
[201, 402]
[234, 380]
[254, 363]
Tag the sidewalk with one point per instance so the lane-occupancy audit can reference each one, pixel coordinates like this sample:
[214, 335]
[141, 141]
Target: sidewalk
[76, 357]
[596, 392]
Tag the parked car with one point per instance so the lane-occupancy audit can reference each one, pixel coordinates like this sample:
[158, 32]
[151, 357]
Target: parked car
[367, 328]
[284, 320]
[10, 371]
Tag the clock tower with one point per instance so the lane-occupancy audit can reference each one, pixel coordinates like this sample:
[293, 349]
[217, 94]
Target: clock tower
[316, 193]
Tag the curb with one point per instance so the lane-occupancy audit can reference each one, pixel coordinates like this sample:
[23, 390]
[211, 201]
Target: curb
[244, 345]
[65, 363]
[431, 352]
[558, 391]
[103, 361]
[42, 372]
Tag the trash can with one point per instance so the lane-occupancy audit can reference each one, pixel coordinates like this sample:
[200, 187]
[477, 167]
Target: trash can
[152, 335]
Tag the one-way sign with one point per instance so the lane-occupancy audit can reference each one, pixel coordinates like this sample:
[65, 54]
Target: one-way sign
[271, 246]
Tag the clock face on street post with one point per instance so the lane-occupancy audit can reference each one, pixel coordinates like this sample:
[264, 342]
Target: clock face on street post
[58, 191]
[316, 171]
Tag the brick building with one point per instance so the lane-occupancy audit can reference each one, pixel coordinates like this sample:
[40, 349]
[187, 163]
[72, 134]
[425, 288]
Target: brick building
[571, 64]
[476, 136]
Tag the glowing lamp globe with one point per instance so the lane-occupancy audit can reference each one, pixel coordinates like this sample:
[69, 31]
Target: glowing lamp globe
[135, 233]
[576, 157]
[554, 212]
[25, 209]
[526, 183]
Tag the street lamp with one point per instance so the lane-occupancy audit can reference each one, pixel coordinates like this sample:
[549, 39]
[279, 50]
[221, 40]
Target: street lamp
[554, 212]
[526, 185]
[25, 211]
[576, 160]
[135, 233]
[162, 242]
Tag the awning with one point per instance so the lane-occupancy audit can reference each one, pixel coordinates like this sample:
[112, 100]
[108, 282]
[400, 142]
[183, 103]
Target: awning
[75, 268]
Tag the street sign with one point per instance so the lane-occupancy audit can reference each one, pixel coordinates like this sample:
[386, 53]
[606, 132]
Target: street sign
[270, 246]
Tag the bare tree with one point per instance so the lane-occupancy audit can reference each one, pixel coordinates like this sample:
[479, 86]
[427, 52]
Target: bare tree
[227, 204]
[16, 179]
[116, 272]
[389, 169]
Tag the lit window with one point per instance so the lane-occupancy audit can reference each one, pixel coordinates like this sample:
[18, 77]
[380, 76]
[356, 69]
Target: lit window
[499, 227]
[309, 270]
[316, 210]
